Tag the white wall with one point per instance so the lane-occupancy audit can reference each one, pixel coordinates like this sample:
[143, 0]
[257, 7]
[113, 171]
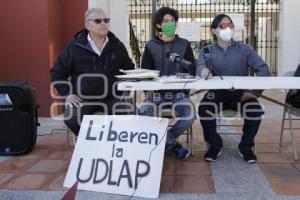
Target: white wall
[289, 36]
[120, 20]
[100, 3]
[118, 13]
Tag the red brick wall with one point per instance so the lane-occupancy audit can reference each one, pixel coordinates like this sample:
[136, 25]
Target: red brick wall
[32, 34]
[73, 17]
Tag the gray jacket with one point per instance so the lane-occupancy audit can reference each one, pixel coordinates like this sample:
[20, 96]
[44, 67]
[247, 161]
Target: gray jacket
[234, 61]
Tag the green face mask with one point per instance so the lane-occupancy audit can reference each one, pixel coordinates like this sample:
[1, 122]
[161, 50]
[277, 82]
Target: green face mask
[169, 29]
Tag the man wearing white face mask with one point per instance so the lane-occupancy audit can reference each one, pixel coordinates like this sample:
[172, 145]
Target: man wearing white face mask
[227, 57]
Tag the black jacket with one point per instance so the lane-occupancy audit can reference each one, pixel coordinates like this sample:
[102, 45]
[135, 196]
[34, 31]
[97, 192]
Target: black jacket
[78, 58]
[155, 55]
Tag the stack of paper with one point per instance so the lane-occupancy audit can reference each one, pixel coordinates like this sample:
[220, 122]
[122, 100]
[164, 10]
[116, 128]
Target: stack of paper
[176, 79]
[139, 74]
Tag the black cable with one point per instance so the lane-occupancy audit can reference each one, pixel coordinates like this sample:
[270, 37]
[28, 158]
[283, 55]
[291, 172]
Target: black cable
[42, 135]
[184, 86]
[208, 63]
[217, 74]
[270, 99]
[149, 162]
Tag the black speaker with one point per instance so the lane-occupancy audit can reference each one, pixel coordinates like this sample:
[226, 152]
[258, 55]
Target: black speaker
[18, 118]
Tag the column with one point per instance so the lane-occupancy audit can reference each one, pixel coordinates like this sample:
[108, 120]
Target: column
[289, 36]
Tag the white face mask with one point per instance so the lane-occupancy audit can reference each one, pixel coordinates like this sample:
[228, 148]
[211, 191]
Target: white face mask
[226, 34]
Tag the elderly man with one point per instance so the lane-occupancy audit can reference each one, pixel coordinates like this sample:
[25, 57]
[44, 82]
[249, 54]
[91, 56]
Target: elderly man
[90, 63]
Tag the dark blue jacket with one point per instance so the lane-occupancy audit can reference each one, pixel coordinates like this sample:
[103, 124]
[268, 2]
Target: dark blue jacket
[155, 55]
[78, 58]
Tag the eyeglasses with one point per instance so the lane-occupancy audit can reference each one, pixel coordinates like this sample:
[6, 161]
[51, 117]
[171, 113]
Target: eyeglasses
[99, 21]
[226, 25]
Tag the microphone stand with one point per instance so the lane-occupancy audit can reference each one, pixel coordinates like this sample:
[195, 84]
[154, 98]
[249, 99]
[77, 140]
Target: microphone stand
[211, 70]
[180, 74]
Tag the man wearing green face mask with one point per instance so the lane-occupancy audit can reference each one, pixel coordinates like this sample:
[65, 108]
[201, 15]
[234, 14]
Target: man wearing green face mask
[156, 58]
[169, 29]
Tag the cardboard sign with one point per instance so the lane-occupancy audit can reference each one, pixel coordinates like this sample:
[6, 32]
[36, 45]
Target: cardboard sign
[239, 25]
[119, 155]
[189, 30]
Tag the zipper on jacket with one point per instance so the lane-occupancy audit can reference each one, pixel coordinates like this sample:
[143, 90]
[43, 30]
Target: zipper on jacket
[86, 48]
[163, 59]
[94, 58]
[105, 61]
[94, 63]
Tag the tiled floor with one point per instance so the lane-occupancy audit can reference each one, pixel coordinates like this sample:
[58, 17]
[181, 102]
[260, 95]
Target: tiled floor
[46, 167]
[190, 176]
[277, 163]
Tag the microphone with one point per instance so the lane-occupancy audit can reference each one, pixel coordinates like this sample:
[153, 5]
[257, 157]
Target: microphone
[207, 58]
[176, 58]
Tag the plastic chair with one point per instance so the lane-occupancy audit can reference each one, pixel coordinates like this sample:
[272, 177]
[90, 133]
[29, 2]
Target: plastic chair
[291, 112]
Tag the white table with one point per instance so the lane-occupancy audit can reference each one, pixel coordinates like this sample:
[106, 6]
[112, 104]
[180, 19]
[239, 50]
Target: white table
[228, 82]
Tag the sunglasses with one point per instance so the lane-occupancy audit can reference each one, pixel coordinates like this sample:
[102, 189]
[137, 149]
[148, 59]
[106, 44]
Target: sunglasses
[226, 25]
[99, 21]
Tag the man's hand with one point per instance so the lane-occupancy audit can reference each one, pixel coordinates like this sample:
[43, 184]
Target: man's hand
[246, 96]
[73, 100]
[206, 73]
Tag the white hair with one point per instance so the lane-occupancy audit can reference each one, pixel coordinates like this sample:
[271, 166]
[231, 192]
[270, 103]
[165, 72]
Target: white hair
[91, 11]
